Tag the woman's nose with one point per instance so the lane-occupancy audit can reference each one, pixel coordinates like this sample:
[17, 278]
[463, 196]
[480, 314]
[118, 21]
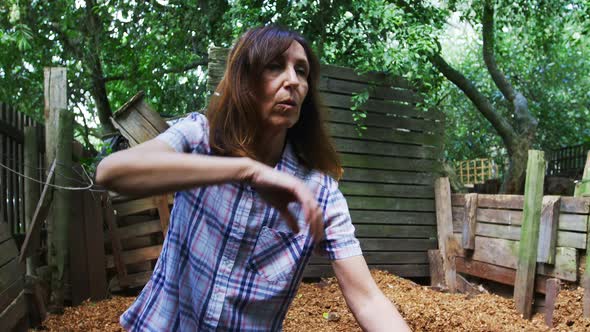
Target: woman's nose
[291, 76]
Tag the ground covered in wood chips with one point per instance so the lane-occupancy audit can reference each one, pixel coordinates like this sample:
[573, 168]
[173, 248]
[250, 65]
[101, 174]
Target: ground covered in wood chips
[321, 307]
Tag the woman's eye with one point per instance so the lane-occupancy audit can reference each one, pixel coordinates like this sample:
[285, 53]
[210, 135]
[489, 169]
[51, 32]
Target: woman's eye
[301, 71]
[274, 66]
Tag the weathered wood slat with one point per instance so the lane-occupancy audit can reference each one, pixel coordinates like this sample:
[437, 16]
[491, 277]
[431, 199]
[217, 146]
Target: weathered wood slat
[392, 217]
[394, 231]
[133, 280]
[390, 257]
[458, 200]
[567, 222]
[495, 273]
[514, 202]
[437, 274]
[139, 229]
[458, 217]
[402, 270]
[10, 293]
[513, 232]
[135, 206]
[152, 117]
[14, 313]
[8, 129]
[508, 217]
[389, 163]
[552, 287]
[380, 106]
[10, 272]
[444, 223]
[5, 234]
[342, 130]
[389, 122]
[327, 84]
[575, 205]
[573, 222]
[93, 223]
[548, 229]
[503, 252]
[469, 221]
[136, 255]
[381, 176]
[117, 252]
[384, 149]
[390, 204]
[350, 74]
[398, 244]
[386, 190]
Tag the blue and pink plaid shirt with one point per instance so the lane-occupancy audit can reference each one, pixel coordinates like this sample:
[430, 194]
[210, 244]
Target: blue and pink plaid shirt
[229, 262]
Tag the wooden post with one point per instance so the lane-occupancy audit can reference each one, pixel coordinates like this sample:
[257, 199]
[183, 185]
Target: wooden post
[529, 235]
[31, 160]
[548, 229]
[444, 222]
[110, 220]
[552, 290]
[469, 221]
[40, 215]
[435, 262]
[583, 189]
[62, 213]
[163, 211]
[55, 96]
[55, 86]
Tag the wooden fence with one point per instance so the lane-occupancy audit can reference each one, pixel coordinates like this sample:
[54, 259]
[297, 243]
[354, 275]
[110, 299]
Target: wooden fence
[12, 124]
[568, 161]
[86, 260]
[498, 220]
[389, 171]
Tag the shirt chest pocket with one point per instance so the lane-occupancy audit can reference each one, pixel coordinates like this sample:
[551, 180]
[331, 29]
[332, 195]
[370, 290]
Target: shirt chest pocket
[277, 254]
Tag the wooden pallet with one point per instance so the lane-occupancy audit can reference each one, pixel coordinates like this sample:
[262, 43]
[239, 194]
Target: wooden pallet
[133, 229]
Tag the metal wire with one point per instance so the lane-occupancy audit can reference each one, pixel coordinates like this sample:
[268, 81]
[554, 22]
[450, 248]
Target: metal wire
[49, 184]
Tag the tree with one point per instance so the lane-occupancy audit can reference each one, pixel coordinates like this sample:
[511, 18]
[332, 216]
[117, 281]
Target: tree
[535, 56]
[112, 49]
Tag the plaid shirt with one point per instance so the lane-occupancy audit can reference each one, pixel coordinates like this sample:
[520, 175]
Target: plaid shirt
[229, 262]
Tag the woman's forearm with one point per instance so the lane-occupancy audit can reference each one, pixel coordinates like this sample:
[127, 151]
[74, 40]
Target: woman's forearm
[144, 172]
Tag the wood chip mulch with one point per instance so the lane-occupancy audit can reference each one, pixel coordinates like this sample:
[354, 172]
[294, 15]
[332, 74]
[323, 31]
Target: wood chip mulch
[321, 307]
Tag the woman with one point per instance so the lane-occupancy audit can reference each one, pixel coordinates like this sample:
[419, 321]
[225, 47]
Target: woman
[254, 198]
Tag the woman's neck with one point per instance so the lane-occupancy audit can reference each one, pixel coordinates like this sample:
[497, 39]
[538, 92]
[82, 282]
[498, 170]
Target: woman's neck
[270, 147]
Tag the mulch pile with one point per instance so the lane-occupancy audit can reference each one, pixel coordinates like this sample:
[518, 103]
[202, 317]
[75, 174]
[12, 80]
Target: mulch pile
[321, 307]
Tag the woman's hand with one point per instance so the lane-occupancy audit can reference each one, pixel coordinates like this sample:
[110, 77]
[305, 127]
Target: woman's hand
[279, 189]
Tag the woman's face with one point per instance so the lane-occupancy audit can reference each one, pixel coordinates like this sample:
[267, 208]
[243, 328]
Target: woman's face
[284, 87]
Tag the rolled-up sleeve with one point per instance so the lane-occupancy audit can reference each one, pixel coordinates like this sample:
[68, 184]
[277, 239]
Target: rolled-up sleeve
[339, 241]
[190, 134]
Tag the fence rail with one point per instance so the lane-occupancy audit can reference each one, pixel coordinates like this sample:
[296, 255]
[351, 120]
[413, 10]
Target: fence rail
[12, 125]
[568, 161]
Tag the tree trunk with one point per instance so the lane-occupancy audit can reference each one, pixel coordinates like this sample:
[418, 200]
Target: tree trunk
[99, 91]
[514, 178]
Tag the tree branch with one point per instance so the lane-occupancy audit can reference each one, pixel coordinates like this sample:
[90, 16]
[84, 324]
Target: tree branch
[488, 52]
[161, 73]
[525, 122]
[502, 126]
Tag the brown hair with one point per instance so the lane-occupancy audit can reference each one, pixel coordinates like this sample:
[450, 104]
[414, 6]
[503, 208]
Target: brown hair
[233, 114]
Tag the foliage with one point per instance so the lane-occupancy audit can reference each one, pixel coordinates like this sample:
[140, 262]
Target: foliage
[156, 46]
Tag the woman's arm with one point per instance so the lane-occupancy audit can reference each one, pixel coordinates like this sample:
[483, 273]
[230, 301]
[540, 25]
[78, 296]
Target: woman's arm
[154, 167]
[372, 310]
